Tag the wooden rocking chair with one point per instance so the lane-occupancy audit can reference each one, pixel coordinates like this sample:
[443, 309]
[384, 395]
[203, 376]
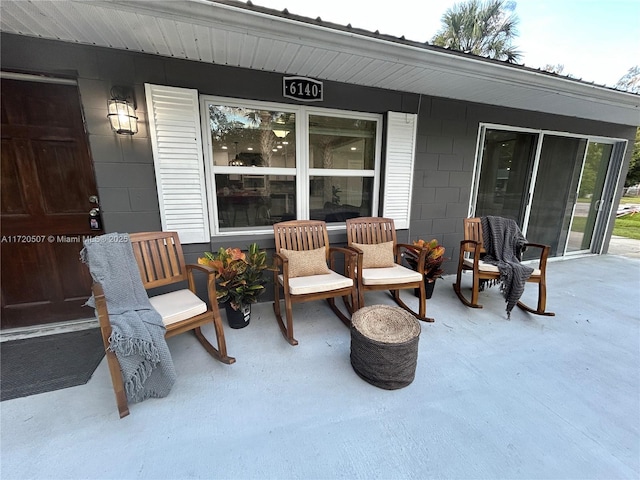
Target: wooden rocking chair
[387, 274]
[301, 256]
[472, 245]
[161, 262]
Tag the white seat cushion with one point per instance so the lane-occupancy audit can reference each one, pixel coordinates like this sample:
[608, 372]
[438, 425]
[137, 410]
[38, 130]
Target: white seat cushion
[176, 306]
[394, 275]
[317, 283]
[487, 267]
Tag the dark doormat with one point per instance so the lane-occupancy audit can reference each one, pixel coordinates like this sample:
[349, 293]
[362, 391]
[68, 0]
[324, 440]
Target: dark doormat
[43, 364]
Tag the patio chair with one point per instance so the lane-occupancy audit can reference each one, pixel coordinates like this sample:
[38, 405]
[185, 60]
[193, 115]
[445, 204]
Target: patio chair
[379, 264]
[161, 263]
[301, 255]
[470, 259]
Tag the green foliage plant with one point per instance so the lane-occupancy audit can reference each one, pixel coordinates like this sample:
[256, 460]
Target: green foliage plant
[239, 275]
[433, 260]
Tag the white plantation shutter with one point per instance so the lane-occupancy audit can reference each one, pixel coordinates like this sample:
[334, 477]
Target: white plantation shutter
[174, 127]
[399, 160]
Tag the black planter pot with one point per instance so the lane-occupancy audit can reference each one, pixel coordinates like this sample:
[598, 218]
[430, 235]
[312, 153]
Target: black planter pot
[238, 318]
[429, 285]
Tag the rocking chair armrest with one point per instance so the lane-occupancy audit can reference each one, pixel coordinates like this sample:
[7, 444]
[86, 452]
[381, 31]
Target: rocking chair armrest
[406, 249]
[347, 251]
[358, 260]
[477, 253]
[536, 245]
[203, 268]
[544, 253]
[412, 248]
[211, 281]
[351, 257]
[280, 260]
[471, 242]
[102, 312]
[418, 255]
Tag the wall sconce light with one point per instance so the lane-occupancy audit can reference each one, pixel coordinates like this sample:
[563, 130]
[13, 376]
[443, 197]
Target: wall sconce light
[122, 111]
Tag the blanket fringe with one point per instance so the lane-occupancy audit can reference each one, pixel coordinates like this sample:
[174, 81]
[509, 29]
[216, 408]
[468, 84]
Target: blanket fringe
[131, 346]
[134, 385]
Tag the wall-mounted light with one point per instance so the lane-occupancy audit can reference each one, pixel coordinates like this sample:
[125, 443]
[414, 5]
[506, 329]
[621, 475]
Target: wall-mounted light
[122, 111]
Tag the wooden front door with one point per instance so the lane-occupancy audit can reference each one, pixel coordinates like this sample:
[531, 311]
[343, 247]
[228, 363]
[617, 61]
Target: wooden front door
[47, 180]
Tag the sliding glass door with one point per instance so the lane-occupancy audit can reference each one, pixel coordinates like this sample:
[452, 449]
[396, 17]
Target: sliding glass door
[550, 184]
[507, 163]
[555, 193]
[588, 206]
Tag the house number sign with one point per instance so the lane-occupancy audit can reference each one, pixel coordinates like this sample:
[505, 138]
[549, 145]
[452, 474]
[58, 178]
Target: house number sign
[302, 88]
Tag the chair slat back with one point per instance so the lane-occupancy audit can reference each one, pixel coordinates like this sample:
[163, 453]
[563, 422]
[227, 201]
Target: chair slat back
[160, 258]
[472, 231]
[371, 230]
[301, 235]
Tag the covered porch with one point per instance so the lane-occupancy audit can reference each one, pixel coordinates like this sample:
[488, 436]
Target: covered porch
[534, 397]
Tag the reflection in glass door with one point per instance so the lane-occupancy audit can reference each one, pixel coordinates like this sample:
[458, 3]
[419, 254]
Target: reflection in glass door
[554, 185]
[589, 202]
[507, 163]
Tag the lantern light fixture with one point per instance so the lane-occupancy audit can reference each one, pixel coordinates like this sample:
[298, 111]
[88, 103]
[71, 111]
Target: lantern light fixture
[122, 111]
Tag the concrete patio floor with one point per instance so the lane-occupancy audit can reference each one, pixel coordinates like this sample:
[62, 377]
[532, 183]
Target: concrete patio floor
[533, 397]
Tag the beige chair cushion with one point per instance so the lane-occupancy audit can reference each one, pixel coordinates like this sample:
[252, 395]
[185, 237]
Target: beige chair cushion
[487, 267]
[176, 306]
[306, 262]
[377, 255]
[390, 275]
[317, 283]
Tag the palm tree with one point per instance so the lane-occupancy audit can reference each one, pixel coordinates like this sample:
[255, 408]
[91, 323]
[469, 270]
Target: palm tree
[485, 29]
[631, 80]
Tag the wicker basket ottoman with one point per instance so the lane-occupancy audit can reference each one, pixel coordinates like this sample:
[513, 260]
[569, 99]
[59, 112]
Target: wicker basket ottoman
[384, 346]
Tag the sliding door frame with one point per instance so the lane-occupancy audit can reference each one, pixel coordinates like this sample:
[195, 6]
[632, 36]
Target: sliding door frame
[612, 179]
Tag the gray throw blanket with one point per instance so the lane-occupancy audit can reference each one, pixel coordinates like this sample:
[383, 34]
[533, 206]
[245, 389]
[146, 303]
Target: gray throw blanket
[137, 336]
[504, 243]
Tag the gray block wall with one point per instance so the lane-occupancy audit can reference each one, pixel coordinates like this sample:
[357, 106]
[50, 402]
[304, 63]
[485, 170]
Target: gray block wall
[445, 159]
[445, 151]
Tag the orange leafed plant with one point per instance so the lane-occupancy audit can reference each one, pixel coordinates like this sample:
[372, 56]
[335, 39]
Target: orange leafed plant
[239, 278]
[433, 260]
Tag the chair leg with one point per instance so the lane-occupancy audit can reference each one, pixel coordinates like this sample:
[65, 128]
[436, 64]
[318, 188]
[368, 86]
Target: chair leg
[474, 292]
[112, 360]
[351, 302]
[542, 302]
[422, 310]
[287, 331]
[219, 354]
[332, 303]
[118, 384]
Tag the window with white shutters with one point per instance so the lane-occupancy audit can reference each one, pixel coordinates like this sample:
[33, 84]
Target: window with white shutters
[228, 166]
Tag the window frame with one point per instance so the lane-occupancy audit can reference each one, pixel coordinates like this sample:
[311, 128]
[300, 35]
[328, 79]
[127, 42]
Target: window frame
[302, 172]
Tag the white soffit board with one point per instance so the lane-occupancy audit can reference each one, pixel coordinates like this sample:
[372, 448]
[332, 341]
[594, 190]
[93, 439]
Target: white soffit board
[206, 31]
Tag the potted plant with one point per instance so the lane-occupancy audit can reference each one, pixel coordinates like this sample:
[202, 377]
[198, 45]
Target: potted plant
[239, 280]
[432, 263]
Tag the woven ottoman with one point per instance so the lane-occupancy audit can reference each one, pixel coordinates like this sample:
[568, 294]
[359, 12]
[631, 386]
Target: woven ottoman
[384, 346]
